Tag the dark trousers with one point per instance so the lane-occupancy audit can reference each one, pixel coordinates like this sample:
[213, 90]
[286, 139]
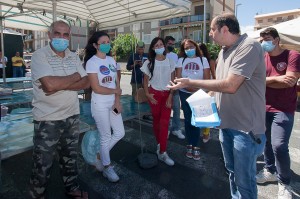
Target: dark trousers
[18, 71]
[279, 126]
[49, 137]
[192, 133]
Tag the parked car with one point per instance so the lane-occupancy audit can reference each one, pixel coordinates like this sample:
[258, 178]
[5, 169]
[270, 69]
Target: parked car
[27, 60]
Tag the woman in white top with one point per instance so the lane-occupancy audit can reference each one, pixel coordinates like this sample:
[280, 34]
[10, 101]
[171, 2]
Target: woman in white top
[192, 66]
[105, 102]
[158, 72]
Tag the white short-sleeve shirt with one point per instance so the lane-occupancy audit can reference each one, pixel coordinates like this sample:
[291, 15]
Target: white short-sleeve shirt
[173, 56]
[106, 70]
[161, 74]
[5, 60]
[192, 68]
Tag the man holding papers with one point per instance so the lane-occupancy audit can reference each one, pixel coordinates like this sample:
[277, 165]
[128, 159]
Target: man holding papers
[240, 96]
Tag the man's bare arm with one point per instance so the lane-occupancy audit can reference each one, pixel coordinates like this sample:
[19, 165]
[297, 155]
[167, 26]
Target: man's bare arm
[283, 81]
[229, 85]
[51, 84]
[83, 83]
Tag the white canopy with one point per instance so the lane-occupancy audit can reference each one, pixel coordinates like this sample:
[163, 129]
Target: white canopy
[289, 32]
[106, 13]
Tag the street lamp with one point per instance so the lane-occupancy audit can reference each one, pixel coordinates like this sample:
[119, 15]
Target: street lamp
[236, 9]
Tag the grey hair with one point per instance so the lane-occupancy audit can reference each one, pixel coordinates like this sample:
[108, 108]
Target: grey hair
[51, 27]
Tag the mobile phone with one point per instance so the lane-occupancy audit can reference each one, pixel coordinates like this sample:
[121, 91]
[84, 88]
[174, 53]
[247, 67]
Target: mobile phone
[115, 111]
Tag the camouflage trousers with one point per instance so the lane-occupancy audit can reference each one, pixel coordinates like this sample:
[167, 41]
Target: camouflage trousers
[51, 137]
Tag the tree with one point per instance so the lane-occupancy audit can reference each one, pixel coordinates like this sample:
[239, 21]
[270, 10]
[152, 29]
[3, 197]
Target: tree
[213, 50]
[123, 45]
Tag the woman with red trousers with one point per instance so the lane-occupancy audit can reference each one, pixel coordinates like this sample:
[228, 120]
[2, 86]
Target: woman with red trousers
[158, 72]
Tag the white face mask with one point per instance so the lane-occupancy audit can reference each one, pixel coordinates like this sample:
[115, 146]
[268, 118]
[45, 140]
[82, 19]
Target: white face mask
[160, 51]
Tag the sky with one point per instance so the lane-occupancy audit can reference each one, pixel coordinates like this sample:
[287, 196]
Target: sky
[249, 8]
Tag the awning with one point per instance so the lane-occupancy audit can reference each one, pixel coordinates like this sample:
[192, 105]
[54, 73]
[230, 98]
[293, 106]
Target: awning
[106, 13]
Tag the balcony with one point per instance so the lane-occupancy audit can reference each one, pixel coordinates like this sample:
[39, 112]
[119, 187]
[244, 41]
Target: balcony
[28, 37]
[184, 19]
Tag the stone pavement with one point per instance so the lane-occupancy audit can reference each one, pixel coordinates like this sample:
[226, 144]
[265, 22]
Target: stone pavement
[187, 179]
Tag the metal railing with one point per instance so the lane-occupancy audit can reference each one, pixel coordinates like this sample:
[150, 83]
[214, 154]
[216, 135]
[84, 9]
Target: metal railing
[184, 19]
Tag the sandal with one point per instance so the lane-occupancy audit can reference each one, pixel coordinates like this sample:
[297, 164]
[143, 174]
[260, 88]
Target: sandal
[189, 151]
[77, 194]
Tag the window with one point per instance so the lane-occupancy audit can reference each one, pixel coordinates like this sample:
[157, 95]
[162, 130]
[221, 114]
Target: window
[260, 21]
[270, 20]
[121, 29]
[199, 10]
[154, 24]
[290, 17]
[279, 18]
[136, 27]
[197, 36]
[147, 38]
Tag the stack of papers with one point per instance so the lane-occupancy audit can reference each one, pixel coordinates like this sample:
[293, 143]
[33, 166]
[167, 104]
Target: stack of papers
[204, 110]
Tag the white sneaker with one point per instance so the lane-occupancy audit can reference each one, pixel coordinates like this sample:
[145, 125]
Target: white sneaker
[158, 148]
[284, 191]
[110, 174]
[179, 134]
[265, 176]
[165, 158]
[98, 164]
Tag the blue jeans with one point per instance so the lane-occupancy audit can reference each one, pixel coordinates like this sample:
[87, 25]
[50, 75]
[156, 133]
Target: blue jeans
[176, 112]
[18, 71]
[278, 131]
[240, 152]
[192, 133]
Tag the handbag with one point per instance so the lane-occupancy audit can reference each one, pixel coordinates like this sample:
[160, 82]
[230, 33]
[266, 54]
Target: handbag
[140, 96]
[204, 110]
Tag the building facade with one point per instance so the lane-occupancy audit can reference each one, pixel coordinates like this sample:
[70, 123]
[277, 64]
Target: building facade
[189, 26]
[266, 20]
[192, 25]
[34, 40]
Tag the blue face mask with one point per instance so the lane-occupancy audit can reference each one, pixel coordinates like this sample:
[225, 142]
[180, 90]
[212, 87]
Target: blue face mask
[60, 44]
[160, 51]
[268, 46]
[104, 48]
[190, 52]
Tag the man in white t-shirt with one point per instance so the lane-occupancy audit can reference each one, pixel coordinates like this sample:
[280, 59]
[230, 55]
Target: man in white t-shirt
[2, 61]
[175, 125]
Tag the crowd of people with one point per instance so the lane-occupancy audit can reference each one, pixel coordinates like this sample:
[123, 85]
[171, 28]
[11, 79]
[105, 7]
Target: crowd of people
[256, 102]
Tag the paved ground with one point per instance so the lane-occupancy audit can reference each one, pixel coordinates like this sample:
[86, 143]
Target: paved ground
[187, 179]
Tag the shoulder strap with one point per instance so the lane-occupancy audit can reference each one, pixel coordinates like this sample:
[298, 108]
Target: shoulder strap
[201, 61]
[183, 60]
